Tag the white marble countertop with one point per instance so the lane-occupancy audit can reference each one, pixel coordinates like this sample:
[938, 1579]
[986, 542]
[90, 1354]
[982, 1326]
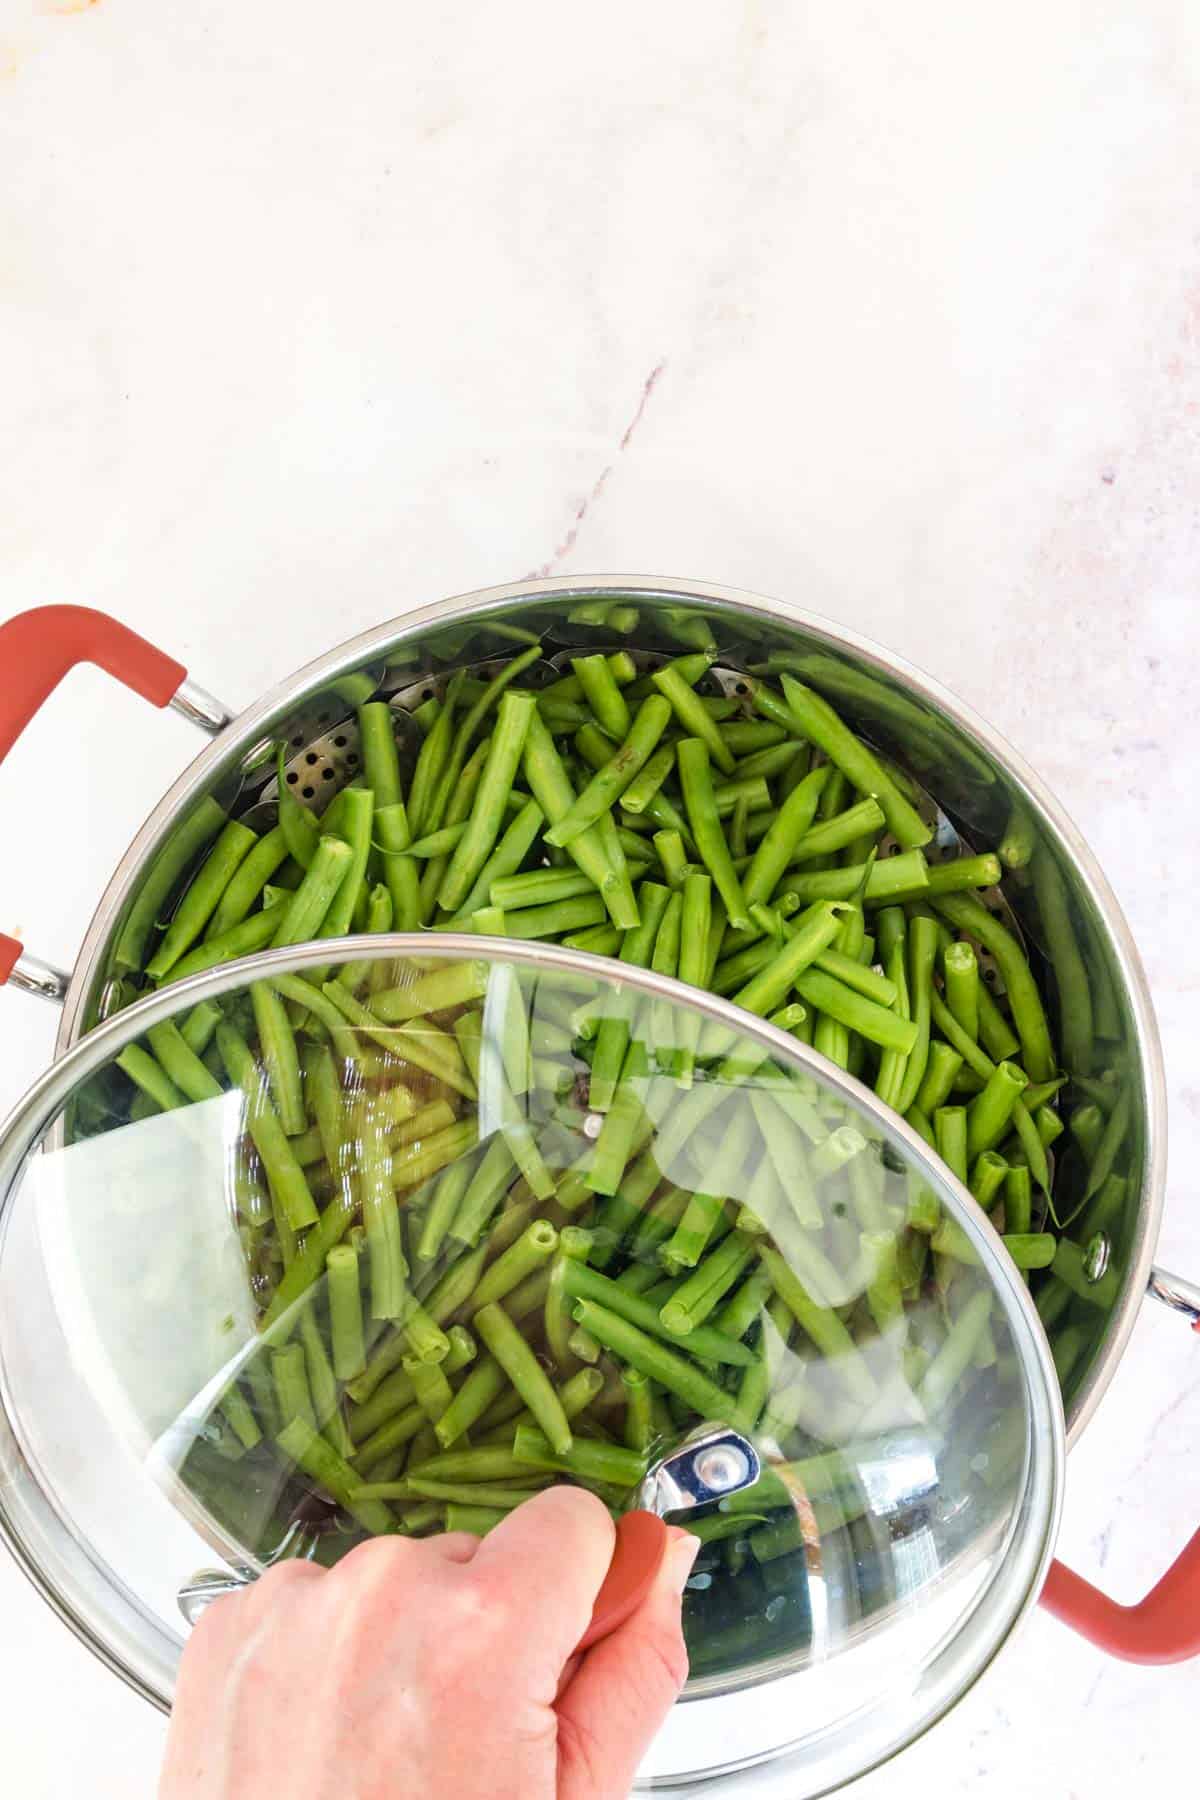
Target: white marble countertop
[308, 316]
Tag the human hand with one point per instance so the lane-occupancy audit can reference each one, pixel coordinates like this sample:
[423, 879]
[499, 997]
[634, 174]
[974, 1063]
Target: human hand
[441, 1668]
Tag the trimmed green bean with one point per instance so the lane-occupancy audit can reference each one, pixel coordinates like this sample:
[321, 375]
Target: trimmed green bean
[202, 897]
[284, 1173]
[651, 1356]
[526, 1374]
[813, 718]
[692, 759]
[302, 1445]
[1029, 1018]
[960, 967]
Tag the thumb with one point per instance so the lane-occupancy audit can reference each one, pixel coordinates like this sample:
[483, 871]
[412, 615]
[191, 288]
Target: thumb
[610, 1712]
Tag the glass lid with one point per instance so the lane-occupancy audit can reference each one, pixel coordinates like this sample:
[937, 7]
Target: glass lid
[272, 1285]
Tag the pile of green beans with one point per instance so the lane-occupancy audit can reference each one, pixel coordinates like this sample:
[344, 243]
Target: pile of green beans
[751, 845]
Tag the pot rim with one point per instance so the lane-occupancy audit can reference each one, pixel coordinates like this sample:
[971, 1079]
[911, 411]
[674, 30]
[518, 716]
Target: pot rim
[255, 722]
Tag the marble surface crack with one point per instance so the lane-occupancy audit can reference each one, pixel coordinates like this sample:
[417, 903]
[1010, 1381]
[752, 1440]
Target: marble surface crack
[564, 548]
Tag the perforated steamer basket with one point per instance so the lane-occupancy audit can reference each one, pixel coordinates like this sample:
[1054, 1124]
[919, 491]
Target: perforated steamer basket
[976, 780]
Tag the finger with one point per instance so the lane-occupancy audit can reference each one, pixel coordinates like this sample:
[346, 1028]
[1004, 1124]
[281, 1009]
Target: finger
[627, 1684]
[455, 1546]
[543, 1566]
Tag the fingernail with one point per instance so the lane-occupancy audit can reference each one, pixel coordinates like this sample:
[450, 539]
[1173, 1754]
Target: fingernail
[681, 1554]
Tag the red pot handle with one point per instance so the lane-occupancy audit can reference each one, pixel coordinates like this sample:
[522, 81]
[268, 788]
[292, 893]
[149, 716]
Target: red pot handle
[38, 648]
[641, 1546]
[1162, 1628]
[10, 954]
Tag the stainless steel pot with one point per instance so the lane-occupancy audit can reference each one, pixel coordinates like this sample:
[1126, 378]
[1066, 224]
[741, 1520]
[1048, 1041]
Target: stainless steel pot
[978, 780]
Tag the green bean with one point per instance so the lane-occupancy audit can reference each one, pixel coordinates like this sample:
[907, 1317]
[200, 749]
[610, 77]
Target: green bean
[988, 1173]
[292, 1396]
[305, 913]
[438, 843]
[357, 812]
[541, 887]
[940, 1071]
[1049, 1125]
[476, 1521]
[1112, 1138]
[876, 1023]
[487, 812]
[893, 950]
[989, 1113]
[202, 897]
[747, 794]
[457, 984]
[649, 779]
[485, 1382]
[1030, 1250]
[1070, 1266]
[1070, 972]
[696, 782]
[693, 1300]
[1018, 1200]
[995, 1033]
[552, 790]
[953, 1145]
[651, 1356]
[1087, 1126]
[857, 975]
[694, 719]
[535, 1246]
[612, 1038]
[345, 1313]
[583, 1283]
[280, 1056]
[284, 1173]
[961, 970]
[431, 761]
[922, 949]
[865, 817]
[604, 697]
[894, 877]
[1020, 838]
[418, 1162]
[1029, 1019]
[812, 933]
[489, 1181]
[239, 1416]
[301, 1444]
[885, 1298]
[822, 1325]
[777, 847]
[309, 1262]
[423, 1044]
[552, 920]
[610, 781]
[471, 1494]
[182, 1066]
[672, 858]
[247, 883]
[598, 940]
[526, 1374]
[322, 1384]
[150, 1078]
[484, 703]
[201, 824]
[956, 1353]
[381, 1217]
[385, 1388]
[813, 718]
[585, 1458]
